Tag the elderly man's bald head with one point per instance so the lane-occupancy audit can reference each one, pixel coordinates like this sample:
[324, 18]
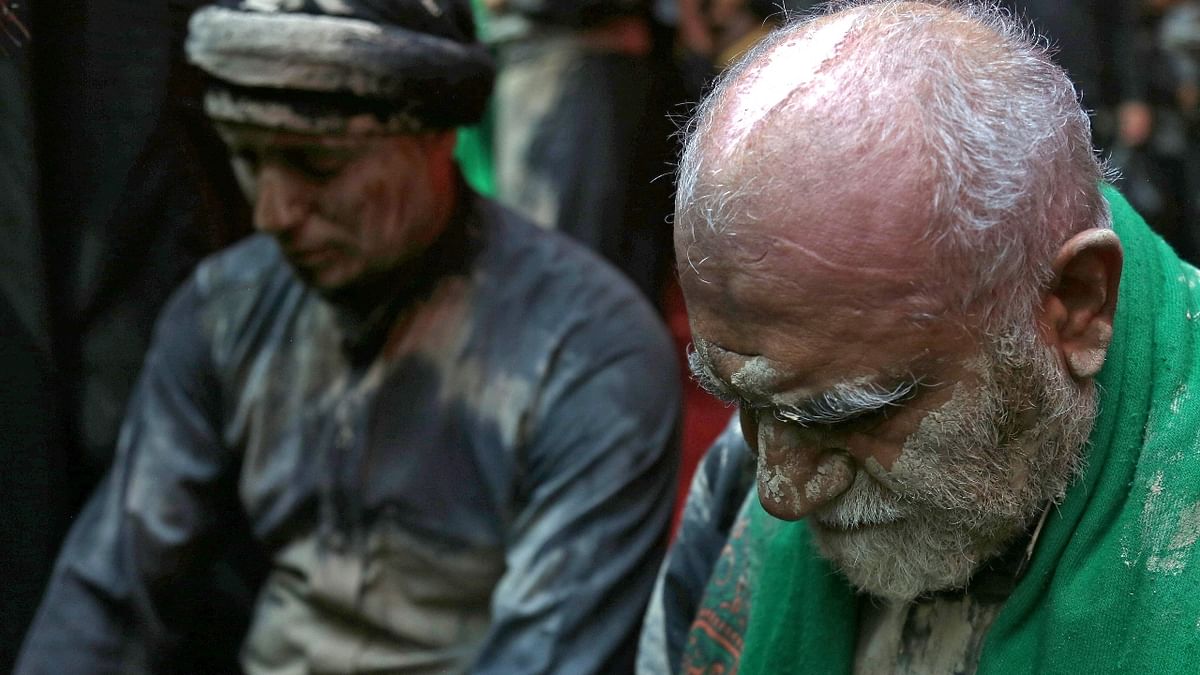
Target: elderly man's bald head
[947, 115]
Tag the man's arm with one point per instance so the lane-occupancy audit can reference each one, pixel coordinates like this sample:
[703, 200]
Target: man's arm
[126, 580]
[599, 480]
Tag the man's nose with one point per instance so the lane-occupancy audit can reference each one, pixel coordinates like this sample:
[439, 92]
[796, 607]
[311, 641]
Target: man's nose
[283, 200]
[800, 469]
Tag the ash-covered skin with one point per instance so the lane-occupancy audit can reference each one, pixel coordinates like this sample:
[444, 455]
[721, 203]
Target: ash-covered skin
[783, 464]
[978, 469]
[832, 476]
[834, 473]
[754, 375]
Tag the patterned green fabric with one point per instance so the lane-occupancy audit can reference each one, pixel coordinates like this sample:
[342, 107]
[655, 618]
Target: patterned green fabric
[1114, 584]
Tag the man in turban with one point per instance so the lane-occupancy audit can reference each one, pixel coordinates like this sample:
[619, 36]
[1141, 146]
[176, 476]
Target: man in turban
[447, 432]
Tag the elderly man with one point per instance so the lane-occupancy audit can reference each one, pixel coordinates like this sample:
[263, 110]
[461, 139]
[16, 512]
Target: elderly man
[897, 256]
[448, 431]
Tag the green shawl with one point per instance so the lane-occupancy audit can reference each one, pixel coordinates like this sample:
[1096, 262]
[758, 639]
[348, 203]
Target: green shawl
[1114, 584]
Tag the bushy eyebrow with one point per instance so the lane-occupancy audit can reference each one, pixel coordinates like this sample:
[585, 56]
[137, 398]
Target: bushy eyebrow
[843, 402]
[708, 381]
[846, 401]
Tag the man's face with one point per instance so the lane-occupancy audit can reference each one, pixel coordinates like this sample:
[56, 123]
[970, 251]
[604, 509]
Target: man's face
[344, 207]
[974, 474]
[916, 447]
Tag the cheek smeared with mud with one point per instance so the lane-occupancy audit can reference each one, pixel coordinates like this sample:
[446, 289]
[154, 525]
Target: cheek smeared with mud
[969, 479]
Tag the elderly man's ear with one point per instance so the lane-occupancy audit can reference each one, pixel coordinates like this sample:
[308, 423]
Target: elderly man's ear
[1077, 312]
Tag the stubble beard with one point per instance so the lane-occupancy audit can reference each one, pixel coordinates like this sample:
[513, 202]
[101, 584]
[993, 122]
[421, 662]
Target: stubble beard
[969, 481]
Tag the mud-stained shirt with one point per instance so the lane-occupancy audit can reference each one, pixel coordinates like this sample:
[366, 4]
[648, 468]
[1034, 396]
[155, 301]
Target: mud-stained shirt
[487, 489]
[940, 633]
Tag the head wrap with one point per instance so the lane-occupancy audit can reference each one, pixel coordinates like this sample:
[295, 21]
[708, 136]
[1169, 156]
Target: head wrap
[337, 66]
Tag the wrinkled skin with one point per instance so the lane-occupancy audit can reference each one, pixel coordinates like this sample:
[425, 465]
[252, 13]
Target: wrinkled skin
[913, 496]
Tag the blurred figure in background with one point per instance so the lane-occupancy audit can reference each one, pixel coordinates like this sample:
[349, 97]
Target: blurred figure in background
[1164, 178]
[1094, 41]
[112, 188]
[583, 142]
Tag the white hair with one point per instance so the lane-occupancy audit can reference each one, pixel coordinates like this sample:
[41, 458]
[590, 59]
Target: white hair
[1005, 143]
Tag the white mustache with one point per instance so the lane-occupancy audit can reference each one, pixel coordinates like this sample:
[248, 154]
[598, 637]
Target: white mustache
[866, 503]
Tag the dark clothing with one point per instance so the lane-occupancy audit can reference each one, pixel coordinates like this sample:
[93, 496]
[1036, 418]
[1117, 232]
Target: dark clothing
[583, 141]
[32, 481]
[101, 198]
[477, 474]
[720, 487]
[1094, 42]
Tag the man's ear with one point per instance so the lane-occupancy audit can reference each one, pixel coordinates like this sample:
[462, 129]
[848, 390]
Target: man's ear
[1077, 312]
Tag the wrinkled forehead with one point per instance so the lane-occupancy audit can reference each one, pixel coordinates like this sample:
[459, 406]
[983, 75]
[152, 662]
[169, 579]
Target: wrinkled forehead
[856, 224]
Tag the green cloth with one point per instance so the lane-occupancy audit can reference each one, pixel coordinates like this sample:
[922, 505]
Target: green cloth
[1114, 583]
[474, 154]
[474, 148]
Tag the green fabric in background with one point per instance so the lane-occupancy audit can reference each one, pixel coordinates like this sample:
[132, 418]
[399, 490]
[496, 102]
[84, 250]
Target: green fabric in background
[1114, 584]
[474, 150]
[474, 154]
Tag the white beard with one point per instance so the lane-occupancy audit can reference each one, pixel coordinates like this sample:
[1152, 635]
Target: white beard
[971, 478]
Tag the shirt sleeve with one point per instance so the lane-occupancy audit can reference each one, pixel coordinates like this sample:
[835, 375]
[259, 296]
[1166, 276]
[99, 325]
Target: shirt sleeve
[719, 488]
[126, 582]
[590, 528]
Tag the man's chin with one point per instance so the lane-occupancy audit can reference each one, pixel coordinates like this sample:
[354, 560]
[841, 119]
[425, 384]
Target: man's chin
[905, 559]
[326, 277]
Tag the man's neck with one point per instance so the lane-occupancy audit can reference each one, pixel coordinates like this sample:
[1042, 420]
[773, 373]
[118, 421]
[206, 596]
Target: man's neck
[942, 631]
[367, 308]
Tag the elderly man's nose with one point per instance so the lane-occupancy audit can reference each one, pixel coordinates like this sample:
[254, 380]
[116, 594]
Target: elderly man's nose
[799, 470]
[283, 199]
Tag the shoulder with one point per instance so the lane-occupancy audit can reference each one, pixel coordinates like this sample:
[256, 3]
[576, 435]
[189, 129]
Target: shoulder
[564, 289]
[231, 292]
[602, 371]
[245, 264]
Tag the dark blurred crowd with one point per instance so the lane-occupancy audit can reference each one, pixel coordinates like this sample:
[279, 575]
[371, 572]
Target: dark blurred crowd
[1159, 168]
[113, 185]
